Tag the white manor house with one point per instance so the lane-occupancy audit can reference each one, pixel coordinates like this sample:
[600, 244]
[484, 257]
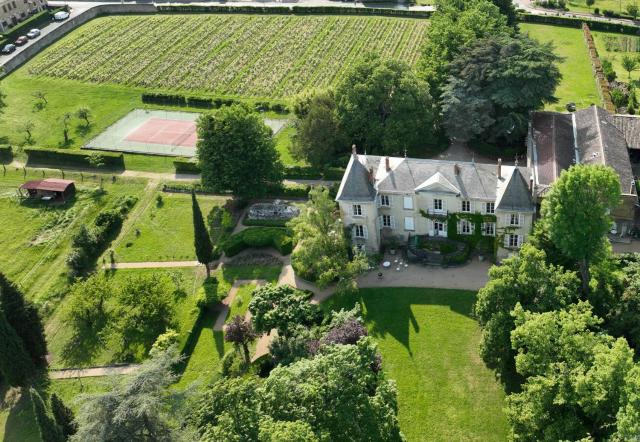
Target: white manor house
[390, 198]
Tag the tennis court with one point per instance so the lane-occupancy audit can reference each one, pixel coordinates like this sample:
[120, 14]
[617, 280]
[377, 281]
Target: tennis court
[157, 132]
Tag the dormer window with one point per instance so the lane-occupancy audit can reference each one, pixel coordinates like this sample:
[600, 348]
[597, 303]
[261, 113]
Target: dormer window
[357, 210]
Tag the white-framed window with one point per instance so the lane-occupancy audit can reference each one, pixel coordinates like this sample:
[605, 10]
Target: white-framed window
[384, 201]
[357, 210]
[407, 202]
[489, 229]
[409, 223]
[465, 227]
[513, 241]
[515, 219]
[359, 231]
[437, 204]
[440, 228]
[466, 206]
[490, 208]
[386, 220]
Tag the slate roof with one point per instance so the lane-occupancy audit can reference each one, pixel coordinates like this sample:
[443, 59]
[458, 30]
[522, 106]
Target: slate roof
[629, 125]
[588, 136]
[411, 175]
[514, 194]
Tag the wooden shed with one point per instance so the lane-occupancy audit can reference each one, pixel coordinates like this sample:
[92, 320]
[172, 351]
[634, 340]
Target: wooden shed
[50, 189]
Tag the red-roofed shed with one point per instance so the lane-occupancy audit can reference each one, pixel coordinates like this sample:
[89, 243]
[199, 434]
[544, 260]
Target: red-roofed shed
[50, 189]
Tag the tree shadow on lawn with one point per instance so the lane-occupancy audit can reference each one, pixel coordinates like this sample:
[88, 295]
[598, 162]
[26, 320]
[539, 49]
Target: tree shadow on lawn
[387, 311]
[204, 325]
[20, 424]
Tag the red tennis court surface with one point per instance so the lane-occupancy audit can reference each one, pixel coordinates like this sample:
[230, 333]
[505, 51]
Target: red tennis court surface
[161, 131]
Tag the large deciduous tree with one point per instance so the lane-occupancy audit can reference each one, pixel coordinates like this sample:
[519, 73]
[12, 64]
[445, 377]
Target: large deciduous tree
[524, 279]
[493, 86]
[322, 253]
[201, 238]
[385, 108]
[576, 213]
[241, 334]
[16, 367]
[283, 308]
[454, 25]
[23, 316]
[237, 152]
[578, 378]
[319, 137]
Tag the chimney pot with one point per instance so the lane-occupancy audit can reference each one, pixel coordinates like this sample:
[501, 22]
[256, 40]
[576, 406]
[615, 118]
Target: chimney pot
[531, 185]
[456, 169]
[499, 167]
[387, 164]
[354, 151]
[371, 176]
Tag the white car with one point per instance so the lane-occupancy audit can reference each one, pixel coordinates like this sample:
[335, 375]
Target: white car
[61, 15]
[33, 33]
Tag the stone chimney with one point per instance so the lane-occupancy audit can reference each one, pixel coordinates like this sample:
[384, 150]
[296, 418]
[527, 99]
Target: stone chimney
[372, 178]
[354, 151]
[531, 186]
[456, 169]
[387, 163]
[632, 187]
[499, 168]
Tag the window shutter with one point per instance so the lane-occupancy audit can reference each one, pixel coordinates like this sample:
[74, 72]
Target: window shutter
[379, 222]
[432, 204]
[521, 219]
[472, 227]
[459, 227]
[393, 222]
[350, 209]
[365, 232]
[353, 231]
[444, 205]
[520, 238]
[378, 201]
[506, 240]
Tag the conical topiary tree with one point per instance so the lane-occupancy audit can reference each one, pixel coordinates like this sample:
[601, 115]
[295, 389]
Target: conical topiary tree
[49, 430]
[23, 316]
[202, 240]
[15, 365]
[63, 416]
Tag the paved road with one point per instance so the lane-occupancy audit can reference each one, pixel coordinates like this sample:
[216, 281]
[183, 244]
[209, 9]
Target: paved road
[528, 5]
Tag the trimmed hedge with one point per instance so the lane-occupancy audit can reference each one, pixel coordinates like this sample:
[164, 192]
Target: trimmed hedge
[283, 10]
[6, 154]
[61, 158]
[165, 99]
[186, 167]
[594, 25]
[208, 103]
[259, 237]
[264, 222]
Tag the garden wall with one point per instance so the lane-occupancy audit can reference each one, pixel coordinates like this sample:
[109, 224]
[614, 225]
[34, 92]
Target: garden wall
[598, 72]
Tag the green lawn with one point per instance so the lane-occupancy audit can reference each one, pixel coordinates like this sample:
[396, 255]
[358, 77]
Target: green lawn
[241, 301]
[618, 6]
[203, 364]
[36, 236]
[578, 84]
[163, 231]
[429, 345]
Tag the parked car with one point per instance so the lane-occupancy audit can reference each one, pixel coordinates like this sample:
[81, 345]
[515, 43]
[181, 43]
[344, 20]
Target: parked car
[22, 40]
[61, 15]
[7, 49]
[33, 33]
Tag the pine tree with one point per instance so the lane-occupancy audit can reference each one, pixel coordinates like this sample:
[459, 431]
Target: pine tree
[49, 430]
[15, 365]
[23, 316]
[63, 416]
[202, 241]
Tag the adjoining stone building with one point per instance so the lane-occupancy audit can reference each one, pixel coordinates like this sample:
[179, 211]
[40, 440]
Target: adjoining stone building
[13, 12]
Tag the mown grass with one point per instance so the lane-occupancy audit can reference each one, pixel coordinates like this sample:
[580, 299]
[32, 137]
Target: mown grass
[241, 301]
[578, 84]
[429, 345]
[164, 231]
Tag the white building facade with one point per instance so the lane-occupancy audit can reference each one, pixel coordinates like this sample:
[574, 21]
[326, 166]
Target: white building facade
[388, 199]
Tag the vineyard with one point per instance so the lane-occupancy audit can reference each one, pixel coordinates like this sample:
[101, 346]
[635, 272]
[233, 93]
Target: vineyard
[251, 55]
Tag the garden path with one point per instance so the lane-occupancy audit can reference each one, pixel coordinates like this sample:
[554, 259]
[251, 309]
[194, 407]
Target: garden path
[150, 265]
[226, 302]
[109, 370]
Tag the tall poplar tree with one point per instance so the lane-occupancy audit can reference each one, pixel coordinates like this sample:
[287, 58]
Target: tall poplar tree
[49, 429]
[15, 365]
[201, 238]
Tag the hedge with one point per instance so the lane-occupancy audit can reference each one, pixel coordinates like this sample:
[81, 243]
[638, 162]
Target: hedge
[259, 237]
[61, 158]
[35, 21]
[186, 167]
[264, 222]
[207, 102]
[595, 25]
[6, 154]
[283, 10]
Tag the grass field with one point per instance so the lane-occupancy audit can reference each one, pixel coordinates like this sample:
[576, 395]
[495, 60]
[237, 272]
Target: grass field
[36, 241]
[429, 345]
[165, 230]
[578, 83]
[618, 6]
[249, 55]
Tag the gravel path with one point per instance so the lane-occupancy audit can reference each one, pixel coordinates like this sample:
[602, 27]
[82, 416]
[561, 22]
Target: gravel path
[151, 265]
[72, 373]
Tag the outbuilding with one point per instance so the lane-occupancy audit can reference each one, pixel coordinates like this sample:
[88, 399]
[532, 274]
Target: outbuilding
[50, 189]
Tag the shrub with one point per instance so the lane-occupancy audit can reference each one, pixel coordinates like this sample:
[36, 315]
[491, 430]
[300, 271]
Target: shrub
[6, 154]
[232, 364]
[278, 238]
[186, 167]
